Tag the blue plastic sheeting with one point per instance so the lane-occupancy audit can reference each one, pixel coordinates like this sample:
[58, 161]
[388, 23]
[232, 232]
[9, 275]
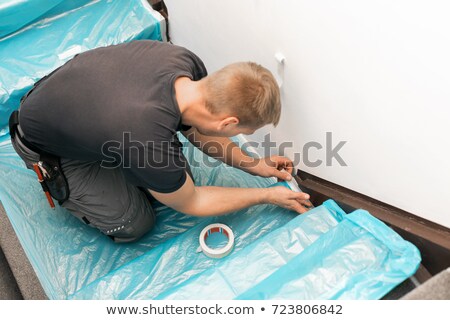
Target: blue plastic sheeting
[249, 262]
[322, 254]
[68, 28]
[16, 14]
[360, 258]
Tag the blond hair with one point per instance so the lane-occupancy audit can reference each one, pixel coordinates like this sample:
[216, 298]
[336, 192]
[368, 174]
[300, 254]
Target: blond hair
[245, 90]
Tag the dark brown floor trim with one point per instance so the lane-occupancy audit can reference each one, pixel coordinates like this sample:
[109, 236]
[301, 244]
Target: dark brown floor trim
[433, 240]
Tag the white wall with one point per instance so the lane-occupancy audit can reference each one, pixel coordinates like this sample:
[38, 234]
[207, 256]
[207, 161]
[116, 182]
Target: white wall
[374, 73]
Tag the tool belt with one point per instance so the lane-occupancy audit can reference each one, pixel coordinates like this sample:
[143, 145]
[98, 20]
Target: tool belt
[46, 166]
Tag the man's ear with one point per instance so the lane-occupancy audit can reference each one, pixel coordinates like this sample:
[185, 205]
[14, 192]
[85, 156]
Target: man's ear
[225, 123]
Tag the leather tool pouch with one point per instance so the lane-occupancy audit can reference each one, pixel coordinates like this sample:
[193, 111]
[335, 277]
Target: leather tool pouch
[54, 177]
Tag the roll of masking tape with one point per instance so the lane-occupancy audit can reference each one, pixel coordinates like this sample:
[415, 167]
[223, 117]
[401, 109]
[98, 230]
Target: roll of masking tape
[219, 252]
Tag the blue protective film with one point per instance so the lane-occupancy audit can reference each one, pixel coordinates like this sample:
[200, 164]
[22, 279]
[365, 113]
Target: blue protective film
[281, 184]
[359, 258]
[16, 14]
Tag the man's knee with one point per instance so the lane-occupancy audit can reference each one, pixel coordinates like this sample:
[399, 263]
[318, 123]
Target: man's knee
[134, 229]
[107, 202]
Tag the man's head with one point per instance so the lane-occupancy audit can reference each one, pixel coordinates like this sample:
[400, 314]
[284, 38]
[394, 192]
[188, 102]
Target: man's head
[240, 98]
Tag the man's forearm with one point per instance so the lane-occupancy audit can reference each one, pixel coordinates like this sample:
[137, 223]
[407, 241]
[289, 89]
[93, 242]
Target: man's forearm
[223, 149]
[214, 201]
[233, 155]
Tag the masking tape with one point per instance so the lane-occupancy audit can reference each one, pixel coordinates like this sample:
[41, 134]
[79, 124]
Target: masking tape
[292, 185]
[220, 252]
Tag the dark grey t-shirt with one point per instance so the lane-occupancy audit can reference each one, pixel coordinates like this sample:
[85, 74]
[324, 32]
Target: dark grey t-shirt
[117, 105]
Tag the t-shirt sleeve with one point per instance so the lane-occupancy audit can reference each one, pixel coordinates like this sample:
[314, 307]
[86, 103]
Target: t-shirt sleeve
[160, 167]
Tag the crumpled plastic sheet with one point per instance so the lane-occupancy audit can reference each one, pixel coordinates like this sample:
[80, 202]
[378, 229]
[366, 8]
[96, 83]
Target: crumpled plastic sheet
[157, 275]
[359, 258]
[323, 254]
[63, 31]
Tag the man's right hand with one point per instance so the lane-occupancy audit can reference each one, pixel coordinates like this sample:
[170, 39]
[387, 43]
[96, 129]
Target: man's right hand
[288, 199]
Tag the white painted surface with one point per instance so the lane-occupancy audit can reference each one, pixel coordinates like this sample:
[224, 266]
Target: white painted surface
[374, 73]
